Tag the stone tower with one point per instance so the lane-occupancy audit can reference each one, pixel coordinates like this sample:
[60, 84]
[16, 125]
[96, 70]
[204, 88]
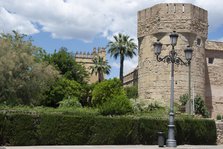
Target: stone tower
[191, 23]
[86, 59]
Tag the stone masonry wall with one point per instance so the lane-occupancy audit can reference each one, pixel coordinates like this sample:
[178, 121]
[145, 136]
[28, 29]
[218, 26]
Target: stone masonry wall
[85, 59]
[219, 127]
[154, 77]
[173, 16]
[214, 82]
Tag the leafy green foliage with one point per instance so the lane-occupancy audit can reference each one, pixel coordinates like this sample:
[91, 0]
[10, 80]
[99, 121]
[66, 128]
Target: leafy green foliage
[200, 107]
[71, 102]
[100, 67]
[195, 131]
[118, 105]
[105, 91]
[122, 46]
[86, 94]
[23, 79]
[65, 63]
[59, 129]
[62, 89]
[218, 117]
[183, 99]
[132, 91]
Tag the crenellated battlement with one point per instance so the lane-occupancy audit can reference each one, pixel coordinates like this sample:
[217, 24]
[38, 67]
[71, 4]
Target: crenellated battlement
[173, 16]
[86, 59]
[87, 55]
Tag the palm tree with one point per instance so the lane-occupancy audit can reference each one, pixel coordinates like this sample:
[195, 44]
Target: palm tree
[123, 46]
[100, 68]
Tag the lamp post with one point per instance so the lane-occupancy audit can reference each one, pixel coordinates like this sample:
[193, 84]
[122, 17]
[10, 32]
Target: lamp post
[188, 54]
[173, 59]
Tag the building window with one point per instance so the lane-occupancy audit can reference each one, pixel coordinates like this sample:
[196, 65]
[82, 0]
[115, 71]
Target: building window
[210, 60]
[198, 41]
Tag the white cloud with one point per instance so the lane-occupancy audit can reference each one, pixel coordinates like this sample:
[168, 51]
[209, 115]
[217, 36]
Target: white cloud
[130, 64]
[10, 21]
[86, 19]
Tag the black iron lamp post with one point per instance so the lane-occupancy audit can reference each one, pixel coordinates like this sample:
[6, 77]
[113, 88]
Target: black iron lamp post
[173, 59]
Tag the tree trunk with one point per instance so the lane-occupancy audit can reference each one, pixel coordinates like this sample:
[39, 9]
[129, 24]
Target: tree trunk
[100, 76]
[121, 68]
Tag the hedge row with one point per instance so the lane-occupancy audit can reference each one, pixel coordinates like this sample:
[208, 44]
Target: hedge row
[57, 129]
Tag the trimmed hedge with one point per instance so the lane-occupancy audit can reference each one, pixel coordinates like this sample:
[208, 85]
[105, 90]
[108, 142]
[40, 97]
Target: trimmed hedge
[58, 129]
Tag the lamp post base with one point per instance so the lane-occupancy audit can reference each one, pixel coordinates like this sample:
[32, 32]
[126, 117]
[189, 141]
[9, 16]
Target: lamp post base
[171, 143]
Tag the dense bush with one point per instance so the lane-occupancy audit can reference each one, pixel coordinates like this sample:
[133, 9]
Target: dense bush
[56, 129]
[118, 105]
[70, 102]
[105, 91]
[200, 107]
[132, 91]
[183, 99]
[62, 89]
[199, 104]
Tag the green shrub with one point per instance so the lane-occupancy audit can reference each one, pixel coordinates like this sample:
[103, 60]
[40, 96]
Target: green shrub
[62, 89]
[118, 105]
[61, 129]
[195, 131]
[20, 129]
[114, 130]
[105, 91]
[56, 129]
[183, 99]
[71, 102]
[86, 94]
[218, 117]
[200, 107]
[131, 91]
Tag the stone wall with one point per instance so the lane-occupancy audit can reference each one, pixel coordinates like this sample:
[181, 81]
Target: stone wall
[157, 22]
[173, 16]
[85, 59]
[219, 127]
[214, 78]
[131, 78]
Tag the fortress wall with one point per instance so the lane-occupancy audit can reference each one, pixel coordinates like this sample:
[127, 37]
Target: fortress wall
[154, 77]
[173, 16]
[214, 81]
[85, 59]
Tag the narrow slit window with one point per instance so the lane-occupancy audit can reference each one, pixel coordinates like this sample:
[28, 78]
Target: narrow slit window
[183, 8]
[198, 41]
[210, 60]
[167, 8]
[174, 8]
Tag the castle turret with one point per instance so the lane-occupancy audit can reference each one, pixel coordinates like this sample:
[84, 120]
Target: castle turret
[85, 59]
[191, 23]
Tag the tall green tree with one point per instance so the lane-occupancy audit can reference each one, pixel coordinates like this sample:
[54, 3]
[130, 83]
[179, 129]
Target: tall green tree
[64, 61]
[23, 80]
[100, 68]
[122, 46]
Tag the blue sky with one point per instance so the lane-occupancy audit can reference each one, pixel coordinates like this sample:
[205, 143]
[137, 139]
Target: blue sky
[81, 25]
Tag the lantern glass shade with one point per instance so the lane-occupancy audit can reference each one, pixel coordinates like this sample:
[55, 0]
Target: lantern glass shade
[188, 53]
[157, 47]
[173, 38]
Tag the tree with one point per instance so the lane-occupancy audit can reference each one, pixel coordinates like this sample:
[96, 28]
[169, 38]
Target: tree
[100, 68]
[23, 80]
[63, 88]
[65, 63]
[122, 46]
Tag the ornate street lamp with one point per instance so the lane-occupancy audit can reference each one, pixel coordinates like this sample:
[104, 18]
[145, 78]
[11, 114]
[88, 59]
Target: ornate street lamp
[173, 59]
